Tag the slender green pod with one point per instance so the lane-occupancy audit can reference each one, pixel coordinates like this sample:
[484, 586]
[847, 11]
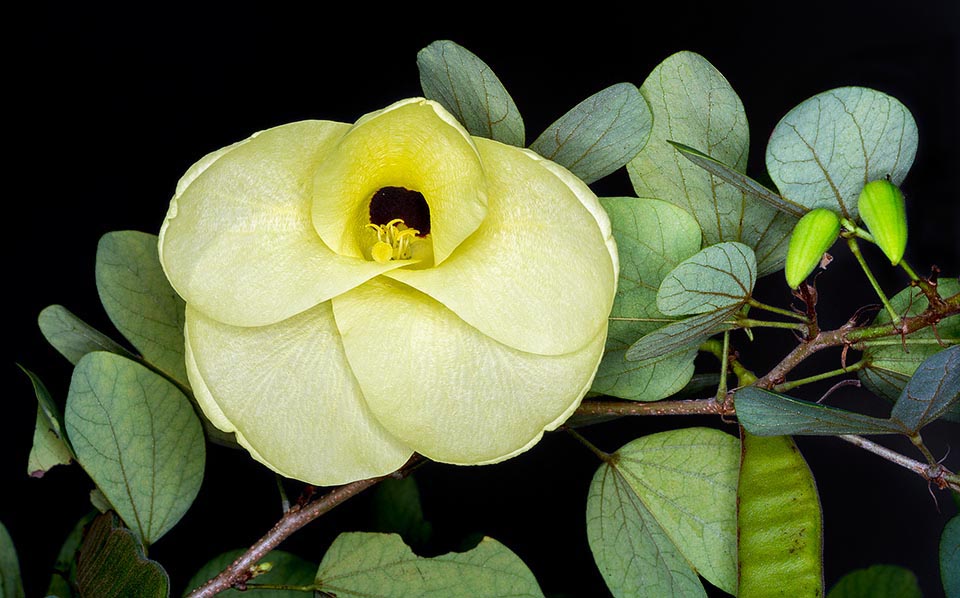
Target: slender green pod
[812, 237]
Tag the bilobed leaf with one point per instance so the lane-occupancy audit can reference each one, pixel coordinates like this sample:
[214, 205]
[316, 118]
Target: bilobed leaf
[878, 581]
[717, 278]
[933, 389]
[365, 565]
[469, 90]
[680, 335]
[950, 557]
[397, 509]
[111, 564]
[73, 337]
[822, 153]
[652, 237]
[779, 519]
[65, 567]
[662, 510]
[139, 439]
[285, 569]
[739, 180]
[891, 362]
[10, 584]
[49, 447]
[694, 105]
[766, 413]
[139, 300]
[600, 134]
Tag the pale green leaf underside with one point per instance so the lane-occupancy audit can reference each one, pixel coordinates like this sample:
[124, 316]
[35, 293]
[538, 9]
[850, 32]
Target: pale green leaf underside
[739, 180]
[694, 105]
[139, 300]
[365, 565]
[49, 447]
[73, 337]
[933, 389]
[878, 581]
[717, 278]
[681, 335]
[664, 510]
[600, 134]
[766, 413]
[822, 153]
[950, 557]
[652, 237]
[10, 584]
[469, 90]
[139, 439]
[780, 522]
[286, 569]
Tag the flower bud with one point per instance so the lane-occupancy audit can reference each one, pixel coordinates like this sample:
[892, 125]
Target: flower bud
[812, 237]
[883, 211]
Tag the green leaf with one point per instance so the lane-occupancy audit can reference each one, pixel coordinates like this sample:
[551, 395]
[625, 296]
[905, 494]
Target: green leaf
[139, 300]
[73, 337]
[65, 568]
[679, 336]
[933, 389]
[10, 584]
[823, 152]
[652, 237]
[600, 134]
[950, 557]
[139, 439]
[780, 523]
[891, 362]
[739, 180]
[285, 569]
[397, 509]
[717, 278]
[766, 413]
[469, 90]
[364, 565]
[664, 509]
[111, 564]
[693, 105]
[49, 445]
[878, 581]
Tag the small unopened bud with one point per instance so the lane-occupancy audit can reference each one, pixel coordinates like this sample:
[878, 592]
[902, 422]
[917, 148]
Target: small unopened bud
[882, 209]
[812, 237]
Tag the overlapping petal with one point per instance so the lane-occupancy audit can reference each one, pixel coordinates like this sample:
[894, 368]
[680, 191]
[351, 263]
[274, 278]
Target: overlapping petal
[414, 144]
[539, 274]
[448, 390]
[288, 392]
[238, 243]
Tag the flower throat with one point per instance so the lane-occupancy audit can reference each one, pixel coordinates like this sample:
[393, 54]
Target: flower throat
[399, 217]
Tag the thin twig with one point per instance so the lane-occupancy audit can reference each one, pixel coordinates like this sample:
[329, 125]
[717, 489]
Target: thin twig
[298, 516]
[934, 473]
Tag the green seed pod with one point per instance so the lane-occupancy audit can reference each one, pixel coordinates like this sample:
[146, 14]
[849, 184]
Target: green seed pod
[812, 237]
[883, 211]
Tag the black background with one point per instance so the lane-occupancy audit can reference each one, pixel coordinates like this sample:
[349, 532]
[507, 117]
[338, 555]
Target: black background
[111, 106]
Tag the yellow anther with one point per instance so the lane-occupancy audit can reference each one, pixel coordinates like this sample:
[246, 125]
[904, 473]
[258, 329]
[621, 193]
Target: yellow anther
[393, 241]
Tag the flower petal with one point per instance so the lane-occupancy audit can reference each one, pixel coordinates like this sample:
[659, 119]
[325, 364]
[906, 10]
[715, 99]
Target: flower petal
[414, 144]
[238, 243]
[444, 388]
[288, 392]
[540, 273]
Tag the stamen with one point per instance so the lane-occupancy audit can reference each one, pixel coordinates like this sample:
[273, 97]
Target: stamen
[393, 241]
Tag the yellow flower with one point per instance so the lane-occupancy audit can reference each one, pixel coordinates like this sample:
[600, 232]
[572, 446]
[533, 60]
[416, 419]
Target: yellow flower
[357, 293]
